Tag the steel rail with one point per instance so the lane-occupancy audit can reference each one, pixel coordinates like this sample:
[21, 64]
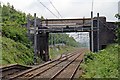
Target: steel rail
[36, 68]
[50, 67]
[72, 76]
[52, 78]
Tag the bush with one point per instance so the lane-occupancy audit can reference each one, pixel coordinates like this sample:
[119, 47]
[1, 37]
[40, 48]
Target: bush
[103, 64]
[18, 34]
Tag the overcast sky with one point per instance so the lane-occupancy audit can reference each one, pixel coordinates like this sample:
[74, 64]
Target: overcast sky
[67, 8]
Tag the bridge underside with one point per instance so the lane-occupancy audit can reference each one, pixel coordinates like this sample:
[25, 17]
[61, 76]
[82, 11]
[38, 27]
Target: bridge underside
[69, 29]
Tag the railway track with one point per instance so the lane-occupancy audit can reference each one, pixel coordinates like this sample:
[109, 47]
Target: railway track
[11, 70]
[66, 66]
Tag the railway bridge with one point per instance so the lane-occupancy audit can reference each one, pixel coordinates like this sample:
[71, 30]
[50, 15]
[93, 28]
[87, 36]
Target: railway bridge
[101, 33]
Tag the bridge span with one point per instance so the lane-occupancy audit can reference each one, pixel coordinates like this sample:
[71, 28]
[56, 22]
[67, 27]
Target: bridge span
[103, 32]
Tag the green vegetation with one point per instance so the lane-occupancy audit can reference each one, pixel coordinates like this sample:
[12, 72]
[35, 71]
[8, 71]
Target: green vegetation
[10, 16]
[63, 38]
[15, 52]
[18, 34]
[118, 29]
[118, 40]
[103, 64]
[16, 47]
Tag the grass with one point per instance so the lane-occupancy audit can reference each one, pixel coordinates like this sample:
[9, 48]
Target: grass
[15, 52]
[103, 64]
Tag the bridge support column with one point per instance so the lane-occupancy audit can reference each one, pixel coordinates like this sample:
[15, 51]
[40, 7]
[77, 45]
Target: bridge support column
[43, 46]
[95, 36]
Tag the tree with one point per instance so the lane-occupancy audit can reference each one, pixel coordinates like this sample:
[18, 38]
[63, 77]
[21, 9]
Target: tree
[118, 29]
[117, 16]
[42, 18]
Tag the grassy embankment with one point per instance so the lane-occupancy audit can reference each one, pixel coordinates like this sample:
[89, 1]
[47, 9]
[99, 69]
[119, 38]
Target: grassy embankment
[103, 64]
[15, 52]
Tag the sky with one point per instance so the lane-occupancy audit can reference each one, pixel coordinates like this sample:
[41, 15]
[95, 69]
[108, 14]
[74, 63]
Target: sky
[67, 8]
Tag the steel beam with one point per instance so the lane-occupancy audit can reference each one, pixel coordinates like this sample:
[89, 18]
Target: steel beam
[92, 44]
[98, 42]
